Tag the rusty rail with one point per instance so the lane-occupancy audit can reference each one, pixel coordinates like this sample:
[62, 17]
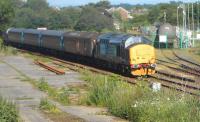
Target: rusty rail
[50, 68]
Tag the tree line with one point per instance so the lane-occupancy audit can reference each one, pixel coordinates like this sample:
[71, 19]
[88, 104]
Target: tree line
[38, 13]
[90, 17]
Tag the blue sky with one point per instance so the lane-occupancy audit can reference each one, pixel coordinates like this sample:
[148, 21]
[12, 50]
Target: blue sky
[83, 2]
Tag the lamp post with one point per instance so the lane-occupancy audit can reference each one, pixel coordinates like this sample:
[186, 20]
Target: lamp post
[184, 24]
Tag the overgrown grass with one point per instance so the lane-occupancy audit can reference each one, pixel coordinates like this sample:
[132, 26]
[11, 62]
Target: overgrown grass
[139, 103]
[7, 50]
[48, 107]
[55, 114]
[60, 95]
[8, 111]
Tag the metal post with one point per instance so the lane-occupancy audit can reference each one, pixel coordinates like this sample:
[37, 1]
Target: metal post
[166, 45]
[188, 16]
[193, 24]
[187, 41]
[198, 15]
[181, 40]
[177, 17]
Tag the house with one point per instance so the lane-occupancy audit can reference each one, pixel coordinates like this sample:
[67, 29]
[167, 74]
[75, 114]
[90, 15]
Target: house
[125, 15]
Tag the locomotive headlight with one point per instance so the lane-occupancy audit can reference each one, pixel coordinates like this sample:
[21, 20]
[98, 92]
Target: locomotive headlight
[153, 65]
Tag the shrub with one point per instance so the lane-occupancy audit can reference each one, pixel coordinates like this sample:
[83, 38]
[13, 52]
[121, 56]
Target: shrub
[139, 103]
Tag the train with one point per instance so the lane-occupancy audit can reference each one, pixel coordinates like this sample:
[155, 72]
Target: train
[125, 53]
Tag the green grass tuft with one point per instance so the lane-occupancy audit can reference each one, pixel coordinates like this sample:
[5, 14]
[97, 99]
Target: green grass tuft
[8, 111]
[46, 106]
[61, 95]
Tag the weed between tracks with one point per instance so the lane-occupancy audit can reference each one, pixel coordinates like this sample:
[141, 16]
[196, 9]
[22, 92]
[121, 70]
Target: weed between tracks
[139, 103]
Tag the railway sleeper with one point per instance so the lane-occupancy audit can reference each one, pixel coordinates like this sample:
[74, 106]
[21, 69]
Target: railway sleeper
[175, 76]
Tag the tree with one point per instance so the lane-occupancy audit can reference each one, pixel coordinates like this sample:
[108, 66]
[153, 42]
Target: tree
[6, 14]
[37, 5]
[23, 18]
[93, 20]
[156, 13]
[103, 4]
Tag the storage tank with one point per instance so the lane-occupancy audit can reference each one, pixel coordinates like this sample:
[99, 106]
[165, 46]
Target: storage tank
[168, 30]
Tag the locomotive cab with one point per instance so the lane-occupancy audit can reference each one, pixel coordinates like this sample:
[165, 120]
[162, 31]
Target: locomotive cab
[127, 53]
[142, 59]
[141, 56]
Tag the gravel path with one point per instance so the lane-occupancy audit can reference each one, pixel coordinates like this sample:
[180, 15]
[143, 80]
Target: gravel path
[28, 98]
[25, 96]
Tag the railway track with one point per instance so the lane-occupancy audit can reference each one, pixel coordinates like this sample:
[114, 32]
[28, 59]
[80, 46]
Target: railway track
[165, 82]
[182, 62]
[76, 66]
[188, 61]
[187, 75]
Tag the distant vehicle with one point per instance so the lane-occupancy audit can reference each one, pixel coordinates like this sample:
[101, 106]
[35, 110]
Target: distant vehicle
[123, 52]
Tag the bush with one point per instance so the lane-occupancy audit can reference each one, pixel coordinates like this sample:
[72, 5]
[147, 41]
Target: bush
[8, 111]
[7, 50]
[139, 103]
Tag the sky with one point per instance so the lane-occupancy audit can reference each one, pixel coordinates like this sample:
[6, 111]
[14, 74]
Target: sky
[62, 3]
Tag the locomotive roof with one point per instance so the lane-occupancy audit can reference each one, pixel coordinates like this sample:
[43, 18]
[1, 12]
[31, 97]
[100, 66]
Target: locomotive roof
[126, 39]
[114, 37]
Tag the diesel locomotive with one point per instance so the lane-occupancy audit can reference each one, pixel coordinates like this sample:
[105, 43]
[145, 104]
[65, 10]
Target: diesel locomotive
[124, 52]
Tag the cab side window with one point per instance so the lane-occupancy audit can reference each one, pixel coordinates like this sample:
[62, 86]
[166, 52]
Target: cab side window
[112, 50]
[102, 49]
[109, 49]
